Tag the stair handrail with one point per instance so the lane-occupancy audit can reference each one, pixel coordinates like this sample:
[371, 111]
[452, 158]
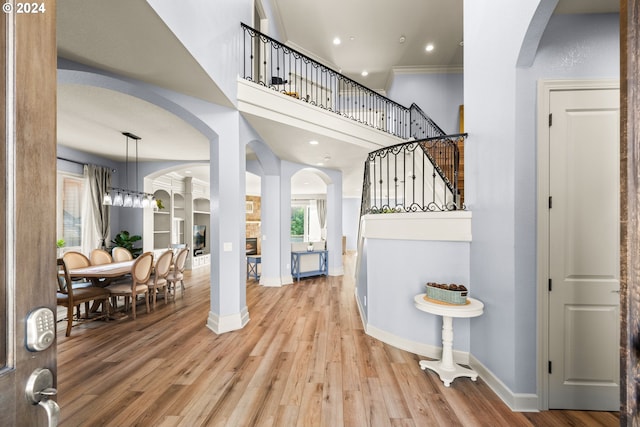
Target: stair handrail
[379, 195]
[422, 126]
[363, 104]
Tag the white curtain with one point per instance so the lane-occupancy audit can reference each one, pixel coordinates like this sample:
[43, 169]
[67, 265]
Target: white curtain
[95, 216]
[321, 207]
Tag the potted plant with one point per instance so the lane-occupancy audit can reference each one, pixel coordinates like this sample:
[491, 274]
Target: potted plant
[126, 240]
[60, 245]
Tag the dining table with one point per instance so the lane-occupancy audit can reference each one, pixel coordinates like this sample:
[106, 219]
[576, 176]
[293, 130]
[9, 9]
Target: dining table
[103, 274]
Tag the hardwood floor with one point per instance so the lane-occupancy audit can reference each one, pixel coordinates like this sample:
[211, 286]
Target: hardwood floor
[302, 360]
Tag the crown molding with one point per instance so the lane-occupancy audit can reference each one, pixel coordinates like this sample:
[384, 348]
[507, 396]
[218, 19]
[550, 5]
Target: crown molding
[434, 69]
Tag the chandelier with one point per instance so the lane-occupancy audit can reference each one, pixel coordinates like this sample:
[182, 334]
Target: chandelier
[126, 197]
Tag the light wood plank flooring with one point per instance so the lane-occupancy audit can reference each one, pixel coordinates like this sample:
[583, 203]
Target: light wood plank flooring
[303, 360]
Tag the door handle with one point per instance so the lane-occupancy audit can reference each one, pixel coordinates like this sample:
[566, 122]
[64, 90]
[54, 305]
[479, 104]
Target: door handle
[39, 390]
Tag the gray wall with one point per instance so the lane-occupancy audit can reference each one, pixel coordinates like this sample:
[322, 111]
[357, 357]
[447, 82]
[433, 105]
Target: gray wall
[438, 95]
[500, 165]
[572, 47]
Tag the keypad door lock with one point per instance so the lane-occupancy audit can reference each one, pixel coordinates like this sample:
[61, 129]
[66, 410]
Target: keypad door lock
[41, 329]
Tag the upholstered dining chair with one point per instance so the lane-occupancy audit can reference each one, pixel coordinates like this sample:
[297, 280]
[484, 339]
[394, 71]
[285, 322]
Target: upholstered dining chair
[99, 257]
[75, 259]
[177, 273]
[159, 280]
[69, 296]
[121, 254]
[140, 274]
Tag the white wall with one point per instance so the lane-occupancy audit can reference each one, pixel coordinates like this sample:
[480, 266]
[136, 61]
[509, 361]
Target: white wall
[350, 221]
[210, 30]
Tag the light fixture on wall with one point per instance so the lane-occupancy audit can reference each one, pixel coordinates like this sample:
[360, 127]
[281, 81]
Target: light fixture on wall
[123, 196]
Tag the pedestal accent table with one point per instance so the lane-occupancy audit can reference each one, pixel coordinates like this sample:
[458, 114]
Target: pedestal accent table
[446, 368]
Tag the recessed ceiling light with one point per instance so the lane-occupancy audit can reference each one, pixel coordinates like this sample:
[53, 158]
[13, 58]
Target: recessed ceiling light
[402, 39]
[365, 73]
[319, 164]
[337, 41]
[313, 142]
[429, 47]
[352, 38]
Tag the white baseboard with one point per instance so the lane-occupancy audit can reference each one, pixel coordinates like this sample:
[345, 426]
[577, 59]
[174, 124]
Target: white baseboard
[271, 282]
[228, 323]
[426, 350]
[517, 402]
[336, 271]
[363, 316]
[286, 280]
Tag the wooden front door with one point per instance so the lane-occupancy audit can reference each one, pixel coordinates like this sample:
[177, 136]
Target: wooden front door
[27, 200]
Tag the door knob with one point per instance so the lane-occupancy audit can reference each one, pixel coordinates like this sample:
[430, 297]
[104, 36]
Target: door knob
[39, 390]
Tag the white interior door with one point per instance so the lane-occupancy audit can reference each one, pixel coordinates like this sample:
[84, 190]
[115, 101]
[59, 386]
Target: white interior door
[584, 261]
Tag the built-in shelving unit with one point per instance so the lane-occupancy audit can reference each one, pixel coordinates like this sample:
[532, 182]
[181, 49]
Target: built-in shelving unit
[177, 229]
[186, 204]
[162, 221]
[201, 216]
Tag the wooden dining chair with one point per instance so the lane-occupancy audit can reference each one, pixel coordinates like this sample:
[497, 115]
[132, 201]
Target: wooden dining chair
[75, 259]
[121, 254]
[177, 273]
[140, 275]
[100, 256]
[70, 296]
[159, 280]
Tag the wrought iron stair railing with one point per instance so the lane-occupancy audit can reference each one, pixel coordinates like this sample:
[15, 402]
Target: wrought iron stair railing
[408, 177]
[271, 64]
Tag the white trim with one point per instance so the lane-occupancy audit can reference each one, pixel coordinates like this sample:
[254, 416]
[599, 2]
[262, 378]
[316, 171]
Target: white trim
[545, 87]
[435, 69]
[363, 317]
[287, 279]
[271, 282]
[231, 322]
[452, 226]
[415, 347]
[338, 271]
[521, 402]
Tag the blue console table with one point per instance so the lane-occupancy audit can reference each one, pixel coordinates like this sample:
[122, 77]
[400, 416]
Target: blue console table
[323, 263]
[252, 266]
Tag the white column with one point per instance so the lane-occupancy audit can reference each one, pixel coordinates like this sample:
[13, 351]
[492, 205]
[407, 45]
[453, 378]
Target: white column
[270, 228]
[228, 266]
[285, 224]
[334, 225]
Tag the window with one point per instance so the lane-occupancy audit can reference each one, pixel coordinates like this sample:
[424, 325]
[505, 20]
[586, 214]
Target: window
[297, 223]
[69, 210]
[304, 221]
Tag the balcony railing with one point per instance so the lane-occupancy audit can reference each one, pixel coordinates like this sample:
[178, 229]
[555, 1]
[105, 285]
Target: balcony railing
[281, 68]
[416, 176]
[420, 175]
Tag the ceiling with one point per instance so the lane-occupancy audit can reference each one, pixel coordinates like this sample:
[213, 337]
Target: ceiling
[108, 36]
